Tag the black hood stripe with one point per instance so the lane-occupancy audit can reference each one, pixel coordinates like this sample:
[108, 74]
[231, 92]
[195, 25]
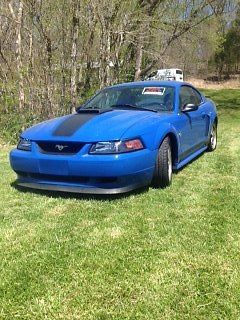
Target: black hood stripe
[69, 126]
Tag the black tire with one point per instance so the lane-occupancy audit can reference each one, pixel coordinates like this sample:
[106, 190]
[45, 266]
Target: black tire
[212, 144]
[162, 177]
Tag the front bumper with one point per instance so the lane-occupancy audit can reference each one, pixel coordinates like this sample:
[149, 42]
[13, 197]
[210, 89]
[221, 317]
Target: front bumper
[83, 173]
[78, 189]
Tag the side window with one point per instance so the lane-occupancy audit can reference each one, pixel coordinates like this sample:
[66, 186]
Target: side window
[189, 95]
[185, 96]
[197, 97]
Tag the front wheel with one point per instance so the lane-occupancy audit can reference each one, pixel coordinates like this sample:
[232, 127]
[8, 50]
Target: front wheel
[212, 144]
[162, 177]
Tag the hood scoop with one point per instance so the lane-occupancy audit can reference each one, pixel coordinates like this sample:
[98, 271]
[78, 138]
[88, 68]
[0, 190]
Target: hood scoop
[80, 110]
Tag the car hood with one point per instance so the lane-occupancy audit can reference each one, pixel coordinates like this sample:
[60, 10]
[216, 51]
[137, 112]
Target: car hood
[88, 127]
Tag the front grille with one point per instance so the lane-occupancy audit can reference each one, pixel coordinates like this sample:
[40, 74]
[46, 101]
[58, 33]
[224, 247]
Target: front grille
[55, 147]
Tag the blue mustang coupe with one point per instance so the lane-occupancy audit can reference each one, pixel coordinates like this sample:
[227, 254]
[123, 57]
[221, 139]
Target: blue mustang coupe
[127, 136]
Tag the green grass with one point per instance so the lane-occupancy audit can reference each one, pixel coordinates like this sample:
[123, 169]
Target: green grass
[158, 254]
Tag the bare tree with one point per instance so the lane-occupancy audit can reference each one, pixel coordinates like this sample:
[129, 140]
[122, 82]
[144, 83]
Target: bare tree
[75, 36]
[18, 18]
[64, 50]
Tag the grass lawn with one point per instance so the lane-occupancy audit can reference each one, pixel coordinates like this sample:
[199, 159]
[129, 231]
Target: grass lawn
[158, 254]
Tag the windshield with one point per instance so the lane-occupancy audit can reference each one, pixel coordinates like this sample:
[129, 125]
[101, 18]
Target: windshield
[156, 98]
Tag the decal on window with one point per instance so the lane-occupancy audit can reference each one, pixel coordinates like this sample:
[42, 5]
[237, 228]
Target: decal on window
[154, 90]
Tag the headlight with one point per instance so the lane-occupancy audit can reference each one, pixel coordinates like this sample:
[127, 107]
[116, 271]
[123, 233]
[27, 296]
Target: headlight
[116, 147]
[24, 144]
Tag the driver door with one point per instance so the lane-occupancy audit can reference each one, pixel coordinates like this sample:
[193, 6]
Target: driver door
[193, 129]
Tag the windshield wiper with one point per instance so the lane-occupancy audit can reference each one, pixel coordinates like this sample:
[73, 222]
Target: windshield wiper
[131, 106]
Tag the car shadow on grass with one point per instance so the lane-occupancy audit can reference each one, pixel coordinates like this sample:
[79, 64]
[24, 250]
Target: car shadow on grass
[79, 196]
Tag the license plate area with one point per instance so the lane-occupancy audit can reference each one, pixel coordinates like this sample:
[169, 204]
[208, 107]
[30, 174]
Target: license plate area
[56, 167]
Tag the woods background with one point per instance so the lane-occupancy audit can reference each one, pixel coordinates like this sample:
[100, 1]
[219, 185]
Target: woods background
[55, 54]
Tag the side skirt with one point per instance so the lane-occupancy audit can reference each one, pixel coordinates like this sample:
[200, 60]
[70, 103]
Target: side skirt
[189, 158]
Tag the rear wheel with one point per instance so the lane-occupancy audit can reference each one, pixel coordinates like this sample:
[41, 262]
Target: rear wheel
[162, 177]
[212, 144]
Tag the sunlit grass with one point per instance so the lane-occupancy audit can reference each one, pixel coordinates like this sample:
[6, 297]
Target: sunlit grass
[156, 254]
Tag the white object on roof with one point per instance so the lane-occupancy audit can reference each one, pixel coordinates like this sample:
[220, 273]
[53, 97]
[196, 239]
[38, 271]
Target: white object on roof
[166, 74]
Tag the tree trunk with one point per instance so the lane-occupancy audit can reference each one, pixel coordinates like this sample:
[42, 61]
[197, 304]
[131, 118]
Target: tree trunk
[139, 56]
[108, 58]
[49, 74]
[88, 73]
[147, 9]
[19, 22]
[63, 58]
[75, 33]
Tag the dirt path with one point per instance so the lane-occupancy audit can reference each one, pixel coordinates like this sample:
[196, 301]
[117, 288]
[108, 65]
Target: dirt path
[230, 84]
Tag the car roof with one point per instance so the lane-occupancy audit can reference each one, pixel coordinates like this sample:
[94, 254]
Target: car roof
[169, 69]
[150, 83]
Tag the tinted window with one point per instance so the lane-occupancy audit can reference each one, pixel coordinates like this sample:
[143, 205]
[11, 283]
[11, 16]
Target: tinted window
[178, 72]
[198, 98]
[189, 96]
[159, 98]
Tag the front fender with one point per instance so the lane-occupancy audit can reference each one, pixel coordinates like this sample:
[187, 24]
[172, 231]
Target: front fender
[168, 130]
[153, 130]
[162, 132]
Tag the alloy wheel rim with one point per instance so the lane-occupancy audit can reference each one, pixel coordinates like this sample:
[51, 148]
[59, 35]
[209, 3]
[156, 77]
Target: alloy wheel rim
[213, 138]
[169, 165]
